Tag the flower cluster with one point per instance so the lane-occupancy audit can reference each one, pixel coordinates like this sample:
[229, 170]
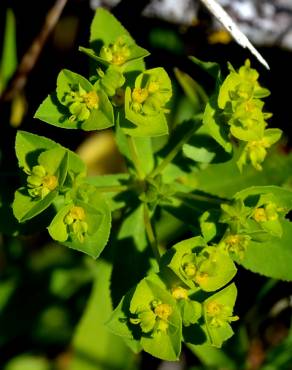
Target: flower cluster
[40, 183]
[154, 318]
[81, 103]
[240, 99]
[117, 52]
[76, 224]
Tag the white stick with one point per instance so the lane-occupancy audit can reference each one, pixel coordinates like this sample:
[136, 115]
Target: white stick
[217, 10]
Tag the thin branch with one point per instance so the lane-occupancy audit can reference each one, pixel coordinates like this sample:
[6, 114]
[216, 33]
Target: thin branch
[19, 79]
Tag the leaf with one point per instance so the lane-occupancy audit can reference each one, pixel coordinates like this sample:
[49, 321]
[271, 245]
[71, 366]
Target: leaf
[114, 199]
[9, 51]
[192, 89]
[212, 68]
[211, 356]
[93, 342]
[272, 258]
[198, 154]
[144, 148]
[225, 180]
[28, 362]
[282, 196]
[133, 226]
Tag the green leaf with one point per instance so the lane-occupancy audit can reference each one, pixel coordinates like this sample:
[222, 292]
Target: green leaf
[272, 258]
[115, 200]
[9, 51]
[198, 154]
[134, 227]
[28, 362]
[276, 171]
[212, 68]
[192, 89]
[144, 148]
[282, 196]
[87, 355]
[211, 356]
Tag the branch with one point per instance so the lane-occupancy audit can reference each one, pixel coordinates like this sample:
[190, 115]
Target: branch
[19, 79]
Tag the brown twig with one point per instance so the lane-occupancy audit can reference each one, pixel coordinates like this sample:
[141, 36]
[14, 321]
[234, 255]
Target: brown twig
[30, 58]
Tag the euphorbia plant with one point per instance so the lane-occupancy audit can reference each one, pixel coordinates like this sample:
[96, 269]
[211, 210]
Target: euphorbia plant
[186, 294]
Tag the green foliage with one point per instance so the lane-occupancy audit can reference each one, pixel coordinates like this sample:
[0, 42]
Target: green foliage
[9, 54]
[179, 172]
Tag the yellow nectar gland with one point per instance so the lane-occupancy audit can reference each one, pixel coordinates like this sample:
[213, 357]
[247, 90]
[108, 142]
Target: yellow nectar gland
[232, 240]
[214, 308]
[163, 311]
[179, 293]
[139, 95]
[201, 277]
[153, 87]
[91, 100]
[77, 213]
[190, 270]
[50, 182]
[260, 215]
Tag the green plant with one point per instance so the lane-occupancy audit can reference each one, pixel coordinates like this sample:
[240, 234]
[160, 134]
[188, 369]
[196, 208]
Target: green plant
[185, 294]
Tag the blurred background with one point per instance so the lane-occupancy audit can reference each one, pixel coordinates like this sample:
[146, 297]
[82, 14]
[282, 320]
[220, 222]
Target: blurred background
[51, 310]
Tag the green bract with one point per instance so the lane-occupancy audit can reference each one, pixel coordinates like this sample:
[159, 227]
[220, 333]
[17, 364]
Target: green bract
[46, 165]
[76, 104]
[218, 313]
[111, 43]
[201, 266]
[145, 104]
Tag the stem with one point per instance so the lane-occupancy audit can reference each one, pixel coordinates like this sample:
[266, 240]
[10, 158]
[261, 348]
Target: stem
[150, 234]
[199, 197]
[175, 150]
[135, 157]
[112, 189]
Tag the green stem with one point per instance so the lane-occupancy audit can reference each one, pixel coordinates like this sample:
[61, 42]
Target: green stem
[150, 234]
[175, 150]
[200, 198]
[113, 189]
[135, 157]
